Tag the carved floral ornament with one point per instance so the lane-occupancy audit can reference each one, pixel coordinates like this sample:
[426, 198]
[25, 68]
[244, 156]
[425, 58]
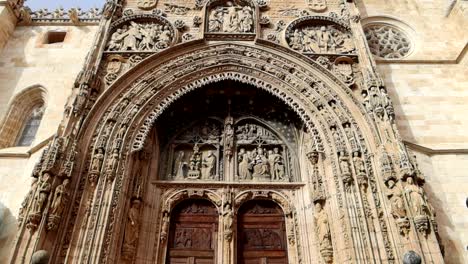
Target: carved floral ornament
[141, 33]
[318, 34]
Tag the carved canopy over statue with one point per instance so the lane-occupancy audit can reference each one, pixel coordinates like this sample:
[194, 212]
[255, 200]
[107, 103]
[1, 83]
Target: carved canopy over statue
[145, 33]
[230, 19]
[319, 35]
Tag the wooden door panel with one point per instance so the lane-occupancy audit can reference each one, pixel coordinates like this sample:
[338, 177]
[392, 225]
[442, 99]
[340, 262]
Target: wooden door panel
[193, 233]
[261, 234]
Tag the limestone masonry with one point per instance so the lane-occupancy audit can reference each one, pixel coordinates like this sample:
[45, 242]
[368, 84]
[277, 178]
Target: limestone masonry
[234, 131]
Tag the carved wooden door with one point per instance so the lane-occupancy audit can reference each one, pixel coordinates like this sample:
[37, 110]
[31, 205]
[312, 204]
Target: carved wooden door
[193, 233]
[261, 235]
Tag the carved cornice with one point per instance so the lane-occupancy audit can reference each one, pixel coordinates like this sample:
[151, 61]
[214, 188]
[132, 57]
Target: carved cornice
[240, 185]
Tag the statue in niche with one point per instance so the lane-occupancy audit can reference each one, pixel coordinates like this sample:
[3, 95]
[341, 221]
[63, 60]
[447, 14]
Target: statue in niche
[228, 217]
[359, 163]
[132, 229]
[208, 166]
[396, 200]
[165, 225]
[278, 165]
[415, 196]
[322, 230]
[97, 160]
[231, 19]
[195, 163]
[26, 201]
[260, 165]
[228, 136]
[244, 163]
[180, 165]
[41, 194]
[58, 205]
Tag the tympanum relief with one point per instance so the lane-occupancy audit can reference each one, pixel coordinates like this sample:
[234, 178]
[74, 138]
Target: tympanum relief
[310, 35]
[200, 152]
[150, 34]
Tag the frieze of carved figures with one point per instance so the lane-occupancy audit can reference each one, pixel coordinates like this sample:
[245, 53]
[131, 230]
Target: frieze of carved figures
[418, 205]
[146, 4]
[397, 207]
[132, 228]
[40, 200]
[230, 18]
[318, 5]
[59, 202]
[74, 15]
[322, 229]
[316, 35]
[141, 36]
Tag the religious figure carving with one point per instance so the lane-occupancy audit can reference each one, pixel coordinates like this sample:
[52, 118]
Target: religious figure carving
[180, 165]
[398, 209]
[112, 164]
[27, 200]
[228, 136]
[228, 218]
[322, 230]
[320, 39]
[165, 225]
[277, 169]
[132, 229]
[231, 19]
[415, 197]
[244, 163]
[96, 164]
[141, 37]
[195, 163]
[40, 200]
[260, 164]
[57, 207]
[208, 166]
[360, 169]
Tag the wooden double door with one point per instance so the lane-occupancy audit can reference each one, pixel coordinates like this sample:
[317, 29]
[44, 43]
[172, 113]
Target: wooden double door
[260, 236]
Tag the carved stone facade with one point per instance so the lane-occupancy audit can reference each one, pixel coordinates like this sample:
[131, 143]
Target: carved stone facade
[229, 131]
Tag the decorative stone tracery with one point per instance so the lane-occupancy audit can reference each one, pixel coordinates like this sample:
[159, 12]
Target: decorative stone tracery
[387, 42]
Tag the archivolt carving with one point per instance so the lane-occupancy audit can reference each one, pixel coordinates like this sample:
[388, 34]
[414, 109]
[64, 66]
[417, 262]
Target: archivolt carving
[173, 198]
[281, 199]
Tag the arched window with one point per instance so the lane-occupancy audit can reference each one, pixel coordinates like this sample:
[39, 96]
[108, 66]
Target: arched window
[30, 127]
[261, 236]
[21, 122]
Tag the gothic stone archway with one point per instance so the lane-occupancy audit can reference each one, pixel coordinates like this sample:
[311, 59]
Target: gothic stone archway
[338, 166]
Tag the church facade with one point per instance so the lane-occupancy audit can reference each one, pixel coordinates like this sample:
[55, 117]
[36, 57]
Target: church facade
[234, 131]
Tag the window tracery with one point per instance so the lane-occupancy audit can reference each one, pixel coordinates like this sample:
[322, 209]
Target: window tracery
[30, 128]
[387, 42]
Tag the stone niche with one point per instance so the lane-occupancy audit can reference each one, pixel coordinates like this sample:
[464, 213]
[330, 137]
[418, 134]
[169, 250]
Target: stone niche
[144, 33]
[319, 35]
[231, 20]
[230, 134]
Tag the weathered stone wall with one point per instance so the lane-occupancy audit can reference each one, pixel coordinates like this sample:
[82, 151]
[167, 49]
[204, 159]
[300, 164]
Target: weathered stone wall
[26, 62]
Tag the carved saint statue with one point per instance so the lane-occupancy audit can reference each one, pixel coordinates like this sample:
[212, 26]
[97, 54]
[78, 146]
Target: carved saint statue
[244, 161]
[260, 164]
[396, 200]
[228, 217]
[344, 164]
[209, 165]
[180, 165]
[277, 165]
[415, 196]
[60, 198]
[97, 160]
[228, 136]
[215, 21]
[42, 194]
[27, 200]
[133, 225]
[359, 163]
[323, 232]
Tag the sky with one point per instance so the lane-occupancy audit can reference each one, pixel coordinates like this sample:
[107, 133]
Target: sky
[66, 4]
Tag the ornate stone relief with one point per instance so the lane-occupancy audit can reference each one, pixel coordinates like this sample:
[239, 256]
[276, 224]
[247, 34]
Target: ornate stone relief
[317, 35]
[143, 33]
[387, 41]
[60, 15]
[230, 20]
[146, 4]
[176, 9]
[318, 5]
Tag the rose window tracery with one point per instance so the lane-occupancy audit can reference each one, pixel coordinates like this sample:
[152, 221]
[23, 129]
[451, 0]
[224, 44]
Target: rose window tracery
[387, 42]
